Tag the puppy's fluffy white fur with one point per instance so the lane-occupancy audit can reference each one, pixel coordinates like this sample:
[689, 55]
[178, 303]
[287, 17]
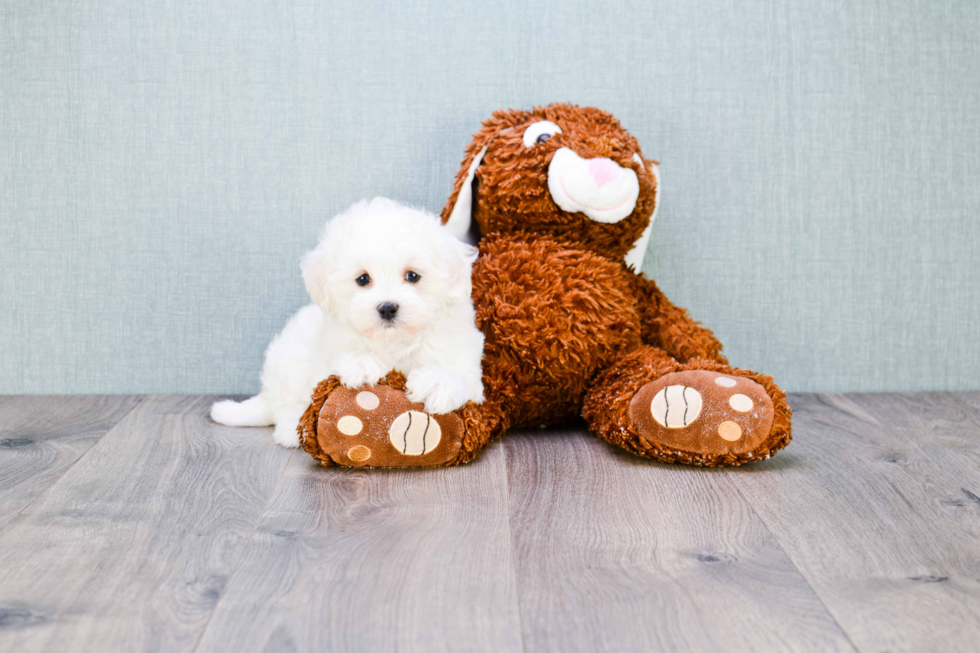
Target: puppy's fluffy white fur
[432, 339]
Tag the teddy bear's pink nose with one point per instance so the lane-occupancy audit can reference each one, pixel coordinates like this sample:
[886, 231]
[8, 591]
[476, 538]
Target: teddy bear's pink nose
[603, 171]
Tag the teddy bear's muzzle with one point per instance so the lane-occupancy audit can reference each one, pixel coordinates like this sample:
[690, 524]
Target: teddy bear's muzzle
[600, 188]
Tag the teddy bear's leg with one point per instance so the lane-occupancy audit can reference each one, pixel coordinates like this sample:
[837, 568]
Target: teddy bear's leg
[377, 426]
[697, 413]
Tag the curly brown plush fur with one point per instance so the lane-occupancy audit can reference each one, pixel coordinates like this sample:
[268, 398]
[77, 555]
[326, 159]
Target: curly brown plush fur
[553, 317]
[308, 422]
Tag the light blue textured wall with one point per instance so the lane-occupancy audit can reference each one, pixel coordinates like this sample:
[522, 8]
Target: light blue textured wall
[164, 164]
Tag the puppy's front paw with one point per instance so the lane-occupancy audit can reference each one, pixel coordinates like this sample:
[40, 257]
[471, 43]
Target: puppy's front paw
[355, 371]
[286, 433]
[286, 436]
[440, 391]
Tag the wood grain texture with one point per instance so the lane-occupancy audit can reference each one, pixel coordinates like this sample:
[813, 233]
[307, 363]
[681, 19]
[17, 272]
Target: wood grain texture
[878, 527]
[41, 437]
[616, 553]
[130, 548]
[971, 399]
[362, 560]
[169, 532]
[945, 427]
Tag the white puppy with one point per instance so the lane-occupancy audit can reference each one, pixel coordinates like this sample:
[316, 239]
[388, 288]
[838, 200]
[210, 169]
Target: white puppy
[391, 288]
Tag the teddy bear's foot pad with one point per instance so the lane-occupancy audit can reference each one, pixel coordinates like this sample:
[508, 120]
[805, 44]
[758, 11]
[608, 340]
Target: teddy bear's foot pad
[703, 413]
[378, 426]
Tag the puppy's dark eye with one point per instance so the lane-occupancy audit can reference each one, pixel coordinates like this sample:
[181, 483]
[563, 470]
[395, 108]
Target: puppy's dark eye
[542, 138]
[363, 280]
[412, 277]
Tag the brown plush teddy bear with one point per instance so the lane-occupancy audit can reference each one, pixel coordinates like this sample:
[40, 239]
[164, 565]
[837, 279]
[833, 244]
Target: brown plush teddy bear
[561, 201]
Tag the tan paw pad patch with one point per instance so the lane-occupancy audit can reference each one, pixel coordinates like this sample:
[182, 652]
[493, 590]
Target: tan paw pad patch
[703, 412]
[359, 454]
[741, 403]
[729, 431]
[367, 400]
[379, 427]
[349, 425]
[676, 406]
[415, 433]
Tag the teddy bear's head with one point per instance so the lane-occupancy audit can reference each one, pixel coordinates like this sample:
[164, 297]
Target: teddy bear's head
[566, 171]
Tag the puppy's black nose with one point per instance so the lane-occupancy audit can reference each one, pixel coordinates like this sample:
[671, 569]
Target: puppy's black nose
[388, 310]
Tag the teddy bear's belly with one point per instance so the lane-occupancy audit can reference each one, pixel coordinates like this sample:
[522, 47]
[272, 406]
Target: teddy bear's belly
[554, 316]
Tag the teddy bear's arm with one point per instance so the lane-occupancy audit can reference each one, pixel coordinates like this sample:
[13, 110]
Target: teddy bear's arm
[671, 327]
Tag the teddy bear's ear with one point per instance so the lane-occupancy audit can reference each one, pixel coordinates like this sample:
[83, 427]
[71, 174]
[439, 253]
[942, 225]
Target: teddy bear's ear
[458, 213]
[634, 257]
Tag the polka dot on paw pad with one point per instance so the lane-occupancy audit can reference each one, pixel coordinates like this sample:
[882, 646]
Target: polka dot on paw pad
[676, 406]
[359, 454]
[349, 425]
[725, 381]
[414, 433]
[367, 400]
[741, 403]
[729, 431]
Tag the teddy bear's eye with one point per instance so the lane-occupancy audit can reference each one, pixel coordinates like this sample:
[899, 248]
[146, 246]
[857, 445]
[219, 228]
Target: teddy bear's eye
[412, 277]
[363, 280]
[539, 132]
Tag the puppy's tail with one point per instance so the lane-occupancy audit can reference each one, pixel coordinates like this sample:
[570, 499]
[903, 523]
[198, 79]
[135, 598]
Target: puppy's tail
[251, 412]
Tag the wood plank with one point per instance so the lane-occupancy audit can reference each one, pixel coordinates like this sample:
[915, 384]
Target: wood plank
[360, 560]
[41, 437]
[617, 553]
[131, 548]
[970, 398]
[864, 515]
[945, 428]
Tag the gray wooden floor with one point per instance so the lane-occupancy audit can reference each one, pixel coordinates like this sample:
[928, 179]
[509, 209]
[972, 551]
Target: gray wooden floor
[134, 523]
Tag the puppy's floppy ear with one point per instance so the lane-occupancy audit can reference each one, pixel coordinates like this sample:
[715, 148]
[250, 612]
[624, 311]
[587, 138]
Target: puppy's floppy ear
[315, 266]
[460, 262]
